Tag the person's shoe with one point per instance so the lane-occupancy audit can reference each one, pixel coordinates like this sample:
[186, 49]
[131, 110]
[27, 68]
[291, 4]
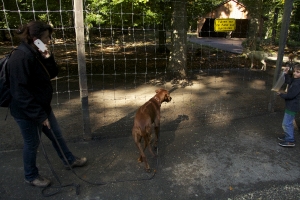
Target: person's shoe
[281, 138]
[286, 144]
[79, 162]
[39, 182]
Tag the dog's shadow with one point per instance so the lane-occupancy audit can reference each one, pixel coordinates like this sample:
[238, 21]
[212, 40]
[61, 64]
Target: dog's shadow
[118, 129]
[173, 125]
[167, 135]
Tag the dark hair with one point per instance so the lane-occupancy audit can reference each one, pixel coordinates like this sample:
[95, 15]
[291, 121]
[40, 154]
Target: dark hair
[297, 65]
[33, 29]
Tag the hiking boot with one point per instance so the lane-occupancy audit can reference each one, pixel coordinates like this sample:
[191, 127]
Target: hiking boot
[39, 182]
[79, 162]
[281, 138]
[286, 144]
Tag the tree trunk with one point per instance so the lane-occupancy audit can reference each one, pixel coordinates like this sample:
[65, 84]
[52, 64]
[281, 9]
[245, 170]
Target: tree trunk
[162, 39]
[275, 21]
[179, 39]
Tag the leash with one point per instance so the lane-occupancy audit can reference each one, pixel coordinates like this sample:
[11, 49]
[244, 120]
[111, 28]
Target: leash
[53, 172]
[6, 114]
[115, 181]
[77, 186]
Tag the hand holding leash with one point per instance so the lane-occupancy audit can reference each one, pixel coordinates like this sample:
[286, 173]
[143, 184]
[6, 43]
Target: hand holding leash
[46, 123]
[286, 70]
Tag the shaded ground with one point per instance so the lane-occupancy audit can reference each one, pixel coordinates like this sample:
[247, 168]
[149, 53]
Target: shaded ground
[239, 159]
[218, 140]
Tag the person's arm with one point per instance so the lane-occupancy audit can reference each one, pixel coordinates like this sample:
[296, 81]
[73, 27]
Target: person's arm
[287, 76]
[293, 91]
[20, 86]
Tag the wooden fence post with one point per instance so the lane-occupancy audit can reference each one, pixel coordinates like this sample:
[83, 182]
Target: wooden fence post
[80, 44]
[288, 6]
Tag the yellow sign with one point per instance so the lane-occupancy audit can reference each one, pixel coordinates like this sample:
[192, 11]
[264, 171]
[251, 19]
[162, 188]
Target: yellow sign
[224, 25]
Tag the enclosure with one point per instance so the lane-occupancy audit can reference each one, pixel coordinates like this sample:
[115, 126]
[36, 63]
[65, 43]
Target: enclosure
[132, 48]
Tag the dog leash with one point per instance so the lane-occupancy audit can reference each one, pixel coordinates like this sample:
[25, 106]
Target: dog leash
[102, 183]
[77, 186]
[53, 172]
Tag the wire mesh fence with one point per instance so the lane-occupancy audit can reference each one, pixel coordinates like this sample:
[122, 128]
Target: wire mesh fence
[128, 48]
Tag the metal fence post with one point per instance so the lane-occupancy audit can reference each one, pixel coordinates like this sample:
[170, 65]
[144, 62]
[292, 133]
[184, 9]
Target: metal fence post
[288, 6]
[80, 44]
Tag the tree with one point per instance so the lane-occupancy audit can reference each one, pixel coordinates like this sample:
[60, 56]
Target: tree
[179, 39]
[261, 12]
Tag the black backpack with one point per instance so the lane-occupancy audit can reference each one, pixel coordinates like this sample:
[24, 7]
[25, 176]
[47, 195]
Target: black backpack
[5, 96]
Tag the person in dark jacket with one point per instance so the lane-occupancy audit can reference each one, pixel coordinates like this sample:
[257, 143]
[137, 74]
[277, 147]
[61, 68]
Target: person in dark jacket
[292, 106]
[31, 71]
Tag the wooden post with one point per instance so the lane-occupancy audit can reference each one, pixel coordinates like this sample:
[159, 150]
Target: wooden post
[288, 6]
[80, 44]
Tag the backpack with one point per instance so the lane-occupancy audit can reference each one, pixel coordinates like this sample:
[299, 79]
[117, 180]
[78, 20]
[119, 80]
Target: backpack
[5, 96]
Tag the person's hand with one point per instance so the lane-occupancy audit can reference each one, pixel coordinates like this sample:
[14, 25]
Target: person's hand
[286, 70]
[47, 123]
[278, 93]
[46, 53]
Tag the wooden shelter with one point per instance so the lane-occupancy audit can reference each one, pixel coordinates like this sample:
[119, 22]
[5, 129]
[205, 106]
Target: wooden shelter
[227, 9]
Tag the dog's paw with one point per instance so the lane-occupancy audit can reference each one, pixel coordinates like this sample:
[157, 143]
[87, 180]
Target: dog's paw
[140, 159]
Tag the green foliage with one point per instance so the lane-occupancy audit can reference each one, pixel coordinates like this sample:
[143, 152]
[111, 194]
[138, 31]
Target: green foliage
[198, 8]
[263, 10]
[136, 13]
[122, 13]
[40, 8]
[294, 34]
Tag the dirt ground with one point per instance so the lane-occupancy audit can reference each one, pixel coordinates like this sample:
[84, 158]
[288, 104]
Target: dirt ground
[213, 97]
[122, 76]
[218, 141]
[218, 138]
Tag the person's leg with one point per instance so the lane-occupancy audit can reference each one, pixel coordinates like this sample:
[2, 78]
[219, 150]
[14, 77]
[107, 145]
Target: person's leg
[58, 135]
[29, 130]
[288, 127]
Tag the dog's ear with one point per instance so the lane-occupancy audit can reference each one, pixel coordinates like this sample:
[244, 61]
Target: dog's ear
[157, 91]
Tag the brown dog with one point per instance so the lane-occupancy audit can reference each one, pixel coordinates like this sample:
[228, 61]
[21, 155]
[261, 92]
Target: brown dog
[146, 115]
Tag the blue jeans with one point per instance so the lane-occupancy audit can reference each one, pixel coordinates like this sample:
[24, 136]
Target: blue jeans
[30, 130]
[288, 127]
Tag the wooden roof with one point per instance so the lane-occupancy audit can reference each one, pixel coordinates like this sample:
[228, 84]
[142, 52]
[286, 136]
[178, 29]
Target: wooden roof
[229, 1]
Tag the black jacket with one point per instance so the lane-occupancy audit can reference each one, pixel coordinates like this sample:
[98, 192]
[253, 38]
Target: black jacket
[292, 97]
[30, 83]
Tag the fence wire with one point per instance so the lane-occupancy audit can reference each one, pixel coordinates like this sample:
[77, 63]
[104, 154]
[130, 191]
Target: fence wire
[125, 64]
